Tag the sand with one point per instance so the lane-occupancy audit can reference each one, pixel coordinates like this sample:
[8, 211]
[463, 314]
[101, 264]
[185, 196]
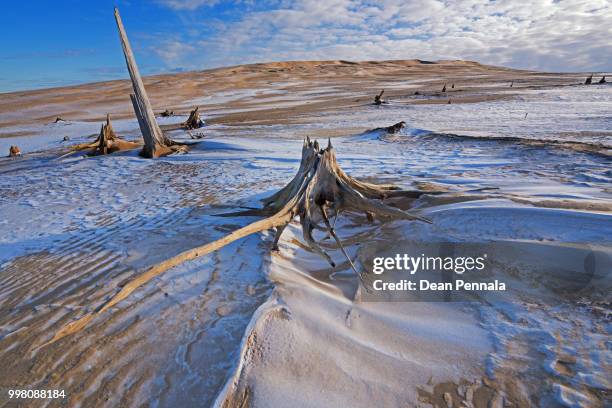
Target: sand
[249, 327]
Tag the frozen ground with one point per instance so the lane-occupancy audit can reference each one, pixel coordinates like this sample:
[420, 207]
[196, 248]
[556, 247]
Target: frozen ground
[241, 324]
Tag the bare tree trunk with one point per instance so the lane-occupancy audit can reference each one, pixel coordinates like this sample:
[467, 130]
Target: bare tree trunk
[155, 143]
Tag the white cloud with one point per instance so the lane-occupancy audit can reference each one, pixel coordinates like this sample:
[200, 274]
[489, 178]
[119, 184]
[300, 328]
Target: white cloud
[187, 4]
[542, 34]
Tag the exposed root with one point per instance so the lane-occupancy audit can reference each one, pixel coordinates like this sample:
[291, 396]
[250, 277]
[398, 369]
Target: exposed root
[319, 185]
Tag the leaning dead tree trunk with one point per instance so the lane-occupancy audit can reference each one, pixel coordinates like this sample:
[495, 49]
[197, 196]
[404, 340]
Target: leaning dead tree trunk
[155, 142]
[194, 121]
[318, 194]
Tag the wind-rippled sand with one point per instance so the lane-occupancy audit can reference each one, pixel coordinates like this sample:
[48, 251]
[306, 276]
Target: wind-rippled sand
[249, 327]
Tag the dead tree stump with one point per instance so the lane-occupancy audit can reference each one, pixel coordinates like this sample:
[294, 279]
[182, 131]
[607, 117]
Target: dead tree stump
[393, 129]
[107, 141]
[14, 151]
[318, 194]
[602, 80]
[156, 144]
[378, 98]
[589, 80]
[194, 121]
[167, 113]
[444, 88]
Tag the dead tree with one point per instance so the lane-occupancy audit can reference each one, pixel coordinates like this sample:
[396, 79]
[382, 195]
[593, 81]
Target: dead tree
[602, 80]
[59, 119]
[317, 194]
[167, 113]
[378, 98]
[14, 151]
[589, 80]
[393, 129]
[453, 86]
[511, 84]
[194, 121]
[107, 142]
[156, 144]
[444, 88]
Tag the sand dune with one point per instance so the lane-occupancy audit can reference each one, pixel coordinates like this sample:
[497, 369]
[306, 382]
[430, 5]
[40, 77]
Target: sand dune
[248, 327]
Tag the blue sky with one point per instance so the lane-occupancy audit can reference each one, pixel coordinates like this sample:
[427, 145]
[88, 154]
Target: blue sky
[55, 43]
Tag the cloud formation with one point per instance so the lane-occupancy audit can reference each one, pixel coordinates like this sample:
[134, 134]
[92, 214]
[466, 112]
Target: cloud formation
[550, 35]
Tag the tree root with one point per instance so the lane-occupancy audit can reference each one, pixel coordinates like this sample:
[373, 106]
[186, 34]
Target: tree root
[319, 185]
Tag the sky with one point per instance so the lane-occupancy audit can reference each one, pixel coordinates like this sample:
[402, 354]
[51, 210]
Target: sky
[65, 42]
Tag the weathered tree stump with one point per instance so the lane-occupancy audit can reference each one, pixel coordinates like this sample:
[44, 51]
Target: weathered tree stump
[589, 80]
[107, 142]
[317, 194]
[444, 88]
[59, 119]
[156, 144]
[602, 80]
[167, 113]
[378, 98]
[14, 151]
[393, 129]
[194, 121]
